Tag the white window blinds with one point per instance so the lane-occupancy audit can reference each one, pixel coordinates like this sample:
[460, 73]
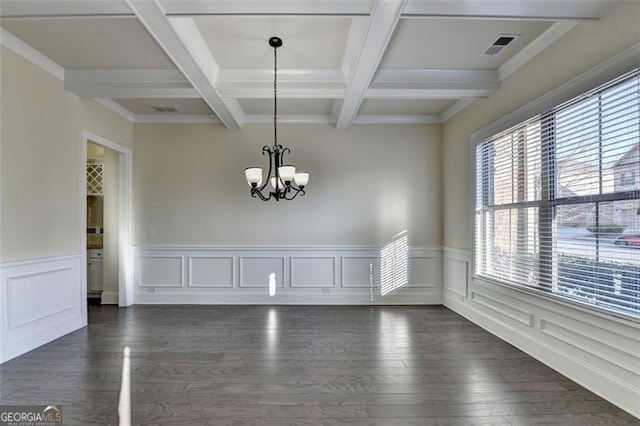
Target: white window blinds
[557, 204]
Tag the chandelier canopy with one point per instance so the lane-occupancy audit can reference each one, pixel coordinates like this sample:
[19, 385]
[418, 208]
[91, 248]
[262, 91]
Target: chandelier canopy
[285, 183]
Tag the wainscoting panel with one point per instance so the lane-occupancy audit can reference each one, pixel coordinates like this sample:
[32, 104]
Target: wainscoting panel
[425, 270]
[40, 300]
[313, 272]
[599, 351]
[304, 275]
[161, 271]
[360, 271]
[255, 271]
[211, 271]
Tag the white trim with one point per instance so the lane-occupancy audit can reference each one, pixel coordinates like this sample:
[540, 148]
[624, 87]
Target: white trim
[383, 21]
[177, 118]
[117, 108]
[601, 73]
[544, 40]
[21, 48]
[500, 9]
[25, 323]
[397, 119]
[589, 347]
[455, 109]
[125, 251]
[289, 119]
[151, 15]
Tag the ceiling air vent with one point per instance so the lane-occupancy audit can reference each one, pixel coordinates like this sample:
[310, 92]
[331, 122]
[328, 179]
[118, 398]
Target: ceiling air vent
[170, 108]
[502, 42]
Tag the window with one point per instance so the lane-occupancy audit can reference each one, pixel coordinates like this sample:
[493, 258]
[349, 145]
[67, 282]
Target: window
[557, 203]
[627, 178]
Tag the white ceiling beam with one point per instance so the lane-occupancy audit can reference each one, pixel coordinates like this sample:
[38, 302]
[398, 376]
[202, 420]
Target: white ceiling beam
[64, 8]
[443, 76]
[384, 18]
[245, 92]
[290, 119]
[397, 119]
[129, 83]
[192, 39]
[496, 9]
[152, 17]
[176, 118]
[230, 75]
[266, 7]
[145, 76]
[418, 93]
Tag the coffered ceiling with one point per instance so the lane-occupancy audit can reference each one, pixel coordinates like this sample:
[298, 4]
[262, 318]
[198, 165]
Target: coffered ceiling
[342, 61]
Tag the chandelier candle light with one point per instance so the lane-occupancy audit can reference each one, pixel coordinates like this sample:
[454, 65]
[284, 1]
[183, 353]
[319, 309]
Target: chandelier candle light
[285, 183]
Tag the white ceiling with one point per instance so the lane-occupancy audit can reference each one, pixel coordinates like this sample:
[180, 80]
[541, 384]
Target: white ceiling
[342, 61]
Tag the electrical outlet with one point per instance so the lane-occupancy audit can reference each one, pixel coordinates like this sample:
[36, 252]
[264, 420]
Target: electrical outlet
[151, 290]
[326, 290]
[151, 231]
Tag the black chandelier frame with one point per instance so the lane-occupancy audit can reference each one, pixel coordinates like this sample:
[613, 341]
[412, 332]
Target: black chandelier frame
[282, 189]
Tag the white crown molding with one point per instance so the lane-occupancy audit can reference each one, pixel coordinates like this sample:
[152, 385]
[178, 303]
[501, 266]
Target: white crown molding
[454, 109]
[21, 48]
[117, 108]
[384, 19]
[544, 40]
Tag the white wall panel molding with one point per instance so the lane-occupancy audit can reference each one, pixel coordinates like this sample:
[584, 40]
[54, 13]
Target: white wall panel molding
[304, 274]
[598, 351]
[313, 271]
[456, 271]
[160, 271]
[360, 271]
[41, 299]
[211, 271]
[496, 305]
[255, 271]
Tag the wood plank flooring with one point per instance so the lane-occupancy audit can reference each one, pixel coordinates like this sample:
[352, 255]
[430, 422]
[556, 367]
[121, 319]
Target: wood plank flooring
[297, 365]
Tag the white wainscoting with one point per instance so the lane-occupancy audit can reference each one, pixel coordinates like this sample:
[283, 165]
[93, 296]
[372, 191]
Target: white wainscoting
[304, 275]
[598, 351]
[40, 300]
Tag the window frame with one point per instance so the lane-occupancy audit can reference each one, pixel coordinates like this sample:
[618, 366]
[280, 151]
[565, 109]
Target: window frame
[603, 73]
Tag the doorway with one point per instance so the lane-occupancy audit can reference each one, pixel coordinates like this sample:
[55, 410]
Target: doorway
[106, 232]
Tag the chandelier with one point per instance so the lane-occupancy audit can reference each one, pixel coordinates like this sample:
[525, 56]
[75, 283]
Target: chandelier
[284, 182]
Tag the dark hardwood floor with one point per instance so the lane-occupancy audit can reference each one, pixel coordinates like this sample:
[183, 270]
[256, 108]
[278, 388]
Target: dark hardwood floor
[297, 365]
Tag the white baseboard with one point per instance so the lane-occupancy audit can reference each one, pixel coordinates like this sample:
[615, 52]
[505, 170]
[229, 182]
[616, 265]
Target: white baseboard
[602, 354]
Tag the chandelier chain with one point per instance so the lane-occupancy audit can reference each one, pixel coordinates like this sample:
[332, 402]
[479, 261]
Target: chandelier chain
[275, 96]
